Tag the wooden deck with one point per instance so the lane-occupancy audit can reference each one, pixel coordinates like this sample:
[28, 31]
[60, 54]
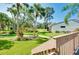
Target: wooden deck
[62, 45]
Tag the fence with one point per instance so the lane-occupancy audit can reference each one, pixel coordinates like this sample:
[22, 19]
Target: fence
[61, 45]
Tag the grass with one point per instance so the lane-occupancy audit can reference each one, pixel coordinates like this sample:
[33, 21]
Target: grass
[5, 44]
[24, 47]
[49, 34]
[7, 36]
[43, 32]
[20, 48]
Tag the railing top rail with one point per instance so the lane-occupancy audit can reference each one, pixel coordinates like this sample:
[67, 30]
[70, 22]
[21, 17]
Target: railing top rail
[51, 43]
[64, 35]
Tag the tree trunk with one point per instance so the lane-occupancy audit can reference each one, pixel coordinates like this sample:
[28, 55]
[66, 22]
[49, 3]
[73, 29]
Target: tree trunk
[2, 26]
[19, 34]
[35, 32]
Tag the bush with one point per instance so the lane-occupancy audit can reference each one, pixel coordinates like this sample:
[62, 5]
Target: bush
[57, 31]
[64, 32]
[31, 30]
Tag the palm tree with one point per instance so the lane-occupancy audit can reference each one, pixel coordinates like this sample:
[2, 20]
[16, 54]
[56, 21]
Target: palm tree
[72, 8]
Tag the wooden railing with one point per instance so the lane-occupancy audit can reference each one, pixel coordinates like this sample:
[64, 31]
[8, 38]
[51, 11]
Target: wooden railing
[62, 45]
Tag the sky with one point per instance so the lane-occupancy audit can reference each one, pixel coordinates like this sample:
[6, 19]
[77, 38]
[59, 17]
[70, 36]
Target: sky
[58, 15]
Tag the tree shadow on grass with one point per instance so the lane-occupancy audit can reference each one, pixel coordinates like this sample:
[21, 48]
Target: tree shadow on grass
[5, 44]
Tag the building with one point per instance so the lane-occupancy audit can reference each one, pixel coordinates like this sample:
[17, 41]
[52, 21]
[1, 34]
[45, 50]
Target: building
[61, 26]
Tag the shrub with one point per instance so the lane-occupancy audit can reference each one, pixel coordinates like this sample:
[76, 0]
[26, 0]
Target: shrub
[57, 31]
[64, 31]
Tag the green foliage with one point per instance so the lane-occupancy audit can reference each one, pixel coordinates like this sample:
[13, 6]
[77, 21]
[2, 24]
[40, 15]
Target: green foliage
[24, 16]
[40, 26]
[67, 17]
[61, 32]
[64, 31]
[65, 8]
[57, 31]
[4, 17]
[73, 9]
[4, 20]
[48, 16]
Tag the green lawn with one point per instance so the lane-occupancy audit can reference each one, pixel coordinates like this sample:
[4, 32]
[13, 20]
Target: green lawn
[43, 32]
[7, 36]
[20, 48]
[23, 47]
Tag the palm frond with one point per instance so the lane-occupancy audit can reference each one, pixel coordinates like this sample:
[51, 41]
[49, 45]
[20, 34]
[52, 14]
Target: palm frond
[67, 17]
[68, 6]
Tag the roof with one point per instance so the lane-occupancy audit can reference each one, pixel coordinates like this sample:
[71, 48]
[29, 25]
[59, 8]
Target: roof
[45, 46]
[75, 20]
